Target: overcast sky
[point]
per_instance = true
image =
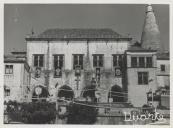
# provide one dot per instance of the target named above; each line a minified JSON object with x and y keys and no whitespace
{"x":19,"y":19}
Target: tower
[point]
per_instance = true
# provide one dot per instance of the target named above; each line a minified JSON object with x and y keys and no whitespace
{"x":150,"y":38}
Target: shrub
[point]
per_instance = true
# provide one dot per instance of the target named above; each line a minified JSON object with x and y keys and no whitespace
{"x":80,"y":114}
{"x":32,"y":113}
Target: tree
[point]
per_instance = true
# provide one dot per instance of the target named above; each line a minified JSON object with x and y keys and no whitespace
{"x":32,"y":113}
{"x":38,"y":112}
{"x":89,"y":91}
{"x":81,"y":114}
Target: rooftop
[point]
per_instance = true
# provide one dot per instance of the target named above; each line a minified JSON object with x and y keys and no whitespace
{"x":15,"y":57}
{"x":163,"y":56}
{"x":134,"y":48}
{"x":78,"y":34}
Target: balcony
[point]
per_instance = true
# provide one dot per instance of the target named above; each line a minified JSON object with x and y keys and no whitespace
{"x":8,"y":77}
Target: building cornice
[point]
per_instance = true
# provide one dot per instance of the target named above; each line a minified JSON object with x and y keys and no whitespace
{"x":78,"y":39}
{"x":14,"y":61}
{"x":141,"y":50}
{"x":162,"y":58}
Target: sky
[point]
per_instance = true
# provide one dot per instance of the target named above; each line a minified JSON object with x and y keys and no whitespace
{"x":127,"y":19}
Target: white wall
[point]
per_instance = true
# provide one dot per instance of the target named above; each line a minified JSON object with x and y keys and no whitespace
{"x":13,"y":81}
{"x":167,"y":67}
{"x":163,"y":77}
{"x":17,"y":82}
{"x":76,"y":47}
{"x":137,"y":93}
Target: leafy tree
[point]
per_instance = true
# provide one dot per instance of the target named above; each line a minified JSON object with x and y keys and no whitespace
{"x":81,"y":114}
{"x":32,"y":113}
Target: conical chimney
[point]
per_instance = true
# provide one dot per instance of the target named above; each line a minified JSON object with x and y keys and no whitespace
{"x":150,"y":38}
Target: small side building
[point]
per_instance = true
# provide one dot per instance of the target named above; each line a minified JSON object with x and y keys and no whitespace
{"x":141,"y":74}
{"x":163,"y":70}
{"x":16,"y":77}
{"x":163,"y":78}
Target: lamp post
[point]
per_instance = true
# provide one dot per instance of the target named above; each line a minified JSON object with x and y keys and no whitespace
{"x":77,"y":74}
{"x":6,"y":120}
{"x":150,"y":94}
{"x":151,"y":91}
{"x":56,"y":104}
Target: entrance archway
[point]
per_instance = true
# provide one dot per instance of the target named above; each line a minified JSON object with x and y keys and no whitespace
{"x":66,"y":92}
{"x":116,"y":94}
{"x":89,"y":92}
{"x":43,"y":93}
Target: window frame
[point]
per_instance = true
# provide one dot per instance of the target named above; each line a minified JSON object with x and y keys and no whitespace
{"x":38,"y":60}
{"x":118,"y":61}
{"x":148,"y":63}
{"x":9,"y":69}
{"x":144,"y":78}
{"x":7,"y":92}
{"x":161,"y":67}
{"x":60,"y":65}
{"x":132,"y":64}
{"x":141,"y":64}
{"x":99,"y":60}
{"x":79,"y":62}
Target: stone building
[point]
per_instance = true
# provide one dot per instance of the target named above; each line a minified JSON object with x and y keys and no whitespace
{"x":161,"y":96}
{"x":141,"y":74}
{"x":163,"y":70}
{"x":56,"y":55}
{"x":163,"y":78}
{"x":69,"y":62}
{"x":151,"y":40}
{"x":16,"y":77}
{"x":95,"y":63}
{"x":142,"y":61}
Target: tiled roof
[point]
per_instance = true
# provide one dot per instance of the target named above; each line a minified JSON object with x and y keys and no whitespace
{"x":139,"y":49}
{"x":14,"y":59}
{"x":78,"y":34}
{"x":18,"y":52}
{"x":163,"y":56}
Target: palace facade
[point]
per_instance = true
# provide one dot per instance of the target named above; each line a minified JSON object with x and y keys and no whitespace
{"x":97,"y":64}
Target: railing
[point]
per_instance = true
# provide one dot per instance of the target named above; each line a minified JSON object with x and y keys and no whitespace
{"x":9,"y":75}
{"x":167,"y":92}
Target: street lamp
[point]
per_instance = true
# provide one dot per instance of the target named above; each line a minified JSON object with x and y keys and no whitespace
{"x":77,"y":70}
{"x":77,"y":74}
{"x":6,"y":120}
{"x":96,"y":90}
{"x":150,"y":91}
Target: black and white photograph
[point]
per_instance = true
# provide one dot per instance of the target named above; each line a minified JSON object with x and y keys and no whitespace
{"x":86,"y":64}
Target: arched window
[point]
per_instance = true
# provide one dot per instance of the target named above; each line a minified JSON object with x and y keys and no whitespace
{"x":116,"y":94}
{"x":43,"y":93}
{"x":66,"y":91}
